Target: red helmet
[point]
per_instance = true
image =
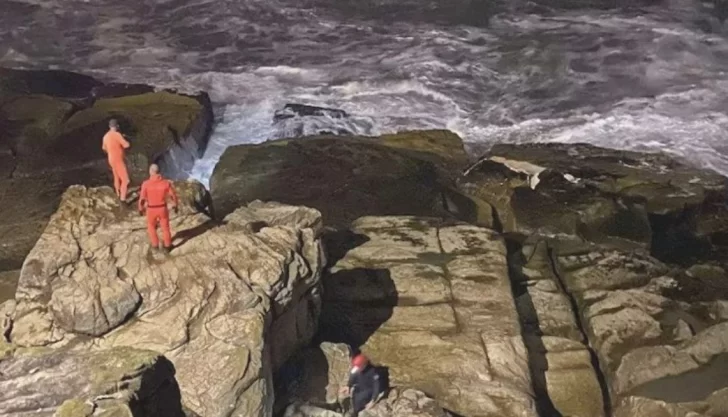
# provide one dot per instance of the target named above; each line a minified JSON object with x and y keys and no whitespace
{"x":359,"y":361}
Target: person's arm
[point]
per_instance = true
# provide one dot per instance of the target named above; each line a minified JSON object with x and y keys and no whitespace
{"x":142,"y":197}
{"x":353,"y":380}
{"x":124,"y":143}
{"x":103,"y":145}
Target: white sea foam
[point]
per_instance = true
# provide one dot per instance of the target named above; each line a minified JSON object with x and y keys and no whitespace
{"x":649,"y":82}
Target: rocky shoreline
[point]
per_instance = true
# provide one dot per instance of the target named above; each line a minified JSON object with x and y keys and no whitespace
{"x":52,"y":123}
{"x":540,"y":280}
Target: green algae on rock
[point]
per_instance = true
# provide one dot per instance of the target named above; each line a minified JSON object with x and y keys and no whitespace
{"x":627,"y":199}
{"x":75,"y":408}
{"x":53,"y":123}
{"x":431,"y":300}
{"x":345,"y":178}
{"x":78,"y":384}
{"x":155,"y":124}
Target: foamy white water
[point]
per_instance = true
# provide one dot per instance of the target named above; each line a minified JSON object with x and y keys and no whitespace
{"x":653,"y":80}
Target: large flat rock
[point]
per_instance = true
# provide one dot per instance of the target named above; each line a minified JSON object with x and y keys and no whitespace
{"x":227,"y":307}
{"x":432,"y":301}
{"x":344,"y":177}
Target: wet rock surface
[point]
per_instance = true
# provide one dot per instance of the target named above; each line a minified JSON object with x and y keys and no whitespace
{"x":344,"y":178}
{"x":8,"y":282}
{"x":618,"y":198}
{"x":301,"y":120}
{"x":227,"y":306}
{"x":53,"y":123}
{"x":291,"y":110}
{"x":650,"y":342}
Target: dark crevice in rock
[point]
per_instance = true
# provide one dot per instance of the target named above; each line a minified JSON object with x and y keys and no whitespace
{"x":601,"y":377}
{"x":674,"y":239}
{"x":526,"y":310}
{"x":452,"y":413}
{"x":497,"y":222}
{"x":353,"y":321}
{"x":8,"y":331}
{"x":177,"y":161}
{"x":448,"y":279}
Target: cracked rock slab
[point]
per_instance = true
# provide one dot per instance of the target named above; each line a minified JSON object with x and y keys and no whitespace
{"x":560,"y":359}
{"x":432,"y":301}
{"x":654,"y":329}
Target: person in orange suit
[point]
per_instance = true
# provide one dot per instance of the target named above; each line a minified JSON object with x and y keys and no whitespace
{"x":153,"y":199}
{"x":115,"y":145}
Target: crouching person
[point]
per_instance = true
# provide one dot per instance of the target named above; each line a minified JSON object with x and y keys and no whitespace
{"x":365,"y":385}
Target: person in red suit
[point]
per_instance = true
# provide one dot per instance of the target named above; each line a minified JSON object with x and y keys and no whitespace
{"x":153,"y":200}
{"x":115,"y":147}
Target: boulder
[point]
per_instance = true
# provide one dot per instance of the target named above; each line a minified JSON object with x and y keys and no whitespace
{"x":344,"y":178}
{"x":314,"y":376}
{"x":227,"y":306}
{"x":399,"y":403}
{"x":406,"y":402}
{"x":639,"y":406}
{"x":431,"y":300}
{"x":292,"y":110}
{"x":120,"y":381}
{"x":53,"y":123}
{"x":659,"y":332}
{"x":45,"y":82}
{"x":301,"y":120}
{"x":624,"y":199}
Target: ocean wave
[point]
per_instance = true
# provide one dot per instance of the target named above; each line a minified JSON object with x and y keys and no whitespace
{"x":651,"y":81}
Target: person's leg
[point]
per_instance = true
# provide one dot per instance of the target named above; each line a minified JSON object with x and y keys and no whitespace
{"x":359,"y":401}
{"x":123,"y":179}
{"x":117,"y":179}
{"x":152,"y":228}
{"x":166,"y":233}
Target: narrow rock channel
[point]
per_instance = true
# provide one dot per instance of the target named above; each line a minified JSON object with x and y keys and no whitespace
{"x":565,"y":374}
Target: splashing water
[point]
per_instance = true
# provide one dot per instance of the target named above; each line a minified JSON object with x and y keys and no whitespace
{"x":653,"y":80}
